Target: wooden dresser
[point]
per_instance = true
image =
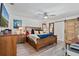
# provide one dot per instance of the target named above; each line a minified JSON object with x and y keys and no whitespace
{"x":8,"y":45}
{"x":21,"y":38}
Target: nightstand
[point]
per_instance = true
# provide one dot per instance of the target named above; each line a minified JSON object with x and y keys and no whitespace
{"x":21,"y":38}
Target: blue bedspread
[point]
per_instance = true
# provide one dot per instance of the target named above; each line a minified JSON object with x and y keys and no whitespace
{"x":45,"y":35}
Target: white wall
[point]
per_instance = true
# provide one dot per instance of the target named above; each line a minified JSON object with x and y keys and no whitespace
{"x":59,"y":30}
{"x":25,"y":21}
{"x":28,"y":21}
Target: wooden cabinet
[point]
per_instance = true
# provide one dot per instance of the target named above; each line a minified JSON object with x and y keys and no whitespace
{"x":8,"y":45}
{"x":21,"y":38}
{"x":71,"y":29}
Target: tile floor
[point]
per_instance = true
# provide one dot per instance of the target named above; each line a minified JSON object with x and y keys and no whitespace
{"x":51,"y":50}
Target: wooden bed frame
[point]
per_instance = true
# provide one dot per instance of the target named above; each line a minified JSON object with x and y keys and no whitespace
{"x":43,"y":42}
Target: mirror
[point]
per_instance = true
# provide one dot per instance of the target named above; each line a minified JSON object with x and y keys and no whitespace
{"x":51,"y":27}
{"x":44,"y":27}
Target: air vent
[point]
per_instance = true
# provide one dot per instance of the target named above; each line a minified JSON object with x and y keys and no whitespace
{"x":11,"y":3}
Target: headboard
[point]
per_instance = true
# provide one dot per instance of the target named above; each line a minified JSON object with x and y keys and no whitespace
{"x":29,"y":28}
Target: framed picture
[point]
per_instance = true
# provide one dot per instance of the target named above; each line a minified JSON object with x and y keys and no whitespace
{"x":17,"y":23}
{"x":4,"y":16}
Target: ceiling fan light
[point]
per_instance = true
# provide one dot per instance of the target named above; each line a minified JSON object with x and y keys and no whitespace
{"x":45,"y":17}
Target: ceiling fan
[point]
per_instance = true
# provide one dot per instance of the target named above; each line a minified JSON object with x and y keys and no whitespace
{"x":46,"y":15}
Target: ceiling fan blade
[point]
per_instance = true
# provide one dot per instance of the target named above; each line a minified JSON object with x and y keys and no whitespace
{"x":45,"y":14}
{"x":52,"y":15}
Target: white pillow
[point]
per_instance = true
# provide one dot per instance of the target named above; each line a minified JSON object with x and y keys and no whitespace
{"x":36,"y":32}
{"x":41,"y":32}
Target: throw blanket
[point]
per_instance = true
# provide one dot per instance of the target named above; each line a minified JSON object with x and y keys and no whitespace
{"x":33,"y":37}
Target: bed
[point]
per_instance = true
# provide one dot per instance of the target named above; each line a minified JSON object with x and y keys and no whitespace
{"x":42,"y":40}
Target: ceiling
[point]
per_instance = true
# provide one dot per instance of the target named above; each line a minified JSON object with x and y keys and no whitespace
{"x":31,"y":10}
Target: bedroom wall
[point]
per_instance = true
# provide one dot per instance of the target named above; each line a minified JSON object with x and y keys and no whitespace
{"x":25,"y":22}
{"x":59,"y":30}
{"x":28,"y":21}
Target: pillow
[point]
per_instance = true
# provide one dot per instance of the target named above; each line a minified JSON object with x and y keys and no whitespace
{"x":51,"y":33}
{"x":36,"y":32}
{"x":41,"y":32}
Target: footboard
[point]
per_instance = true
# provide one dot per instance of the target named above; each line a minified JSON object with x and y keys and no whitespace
{"x":43,"y":42}
{"x":46,"y":41}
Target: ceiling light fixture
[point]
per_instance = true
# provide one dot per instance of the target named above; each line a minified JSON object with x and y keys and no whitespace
{"x":45,"y":17}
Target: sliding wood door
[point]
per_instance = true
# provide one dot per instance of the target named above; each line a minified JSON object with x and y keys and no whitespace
{"x":71,"y":29}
